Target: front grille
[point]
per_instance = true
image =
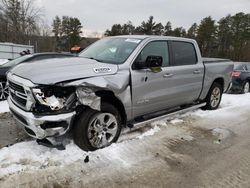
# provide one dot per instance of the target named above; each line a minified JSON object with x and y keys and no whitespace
{"x":18,"y":94}
{"x":16,"y":87}
{"x":18,"y":100}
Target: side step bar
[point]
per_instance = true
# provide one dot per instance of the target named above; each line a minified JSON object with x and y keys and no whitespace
{"x":182,"y":111}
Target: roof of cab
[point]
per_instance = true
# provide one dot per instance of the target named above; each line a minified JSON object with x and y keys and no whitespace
{"x":142,"y":37}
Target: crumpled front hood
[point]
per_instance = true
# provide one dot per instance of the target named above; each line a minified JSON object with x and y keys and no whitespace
{"x":54,"y":71}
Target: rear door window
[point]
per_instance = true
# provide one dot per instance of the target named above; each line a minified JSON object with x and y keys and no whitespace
{"x":240,"y":67}
{"x":183,"y":53}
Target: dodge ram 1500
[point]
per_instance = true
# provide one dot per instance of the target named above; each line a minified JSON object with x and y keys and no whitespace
{"x":116,"y":82}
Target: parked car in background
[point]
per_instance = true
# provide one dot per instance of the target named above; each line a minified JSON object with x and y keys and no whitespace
{"x":4,"y":68}
{"x":241,"y":77}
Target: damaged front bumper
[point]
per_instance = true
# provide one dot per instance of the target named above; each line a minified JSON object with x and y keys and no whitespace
{"x":44,"y":126}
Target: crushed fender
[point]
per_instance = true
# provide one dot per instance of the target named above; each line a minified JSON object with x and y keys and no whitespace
{"x":87,"y":97}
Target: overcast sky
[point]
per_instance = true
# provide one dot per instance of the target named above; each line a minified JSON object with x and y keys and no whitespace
{"x":99,"y":15}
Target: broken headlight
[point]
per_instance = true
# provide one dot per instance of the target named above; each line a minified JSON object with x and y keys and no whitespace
{"x":56,"y":98}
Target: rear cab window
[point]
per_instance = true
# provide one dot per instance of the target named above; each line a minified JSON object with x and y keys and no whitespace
{"x":183,"y":53}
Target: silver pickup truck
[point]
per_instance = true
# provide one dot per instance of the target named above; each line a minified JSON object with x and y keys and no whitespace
{"x":116,"y":82}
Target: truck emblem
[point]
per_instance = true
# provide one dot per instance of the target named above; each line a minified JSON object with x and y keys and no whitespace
{"x":102,"y":70}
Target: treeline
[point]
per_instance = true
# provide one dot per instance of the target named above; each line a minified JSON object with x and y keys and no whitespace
{"x":22,"y":22}
{"x":227,"y":38}
{"x":67,"y":32}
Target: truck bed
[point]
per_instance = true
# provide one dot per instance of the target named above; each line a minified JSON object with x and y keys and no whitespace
{"x":214,"y":60}
{"x":216,"y":68}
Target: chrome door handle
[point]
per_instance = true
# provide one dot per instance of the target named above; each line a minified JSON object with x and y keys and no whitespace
{"x":197,"y":72}
{"x":168,"y":75}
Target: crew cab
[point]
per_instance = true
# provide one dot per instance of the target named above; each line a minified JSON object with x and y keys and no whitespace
{"x":116,"y":82}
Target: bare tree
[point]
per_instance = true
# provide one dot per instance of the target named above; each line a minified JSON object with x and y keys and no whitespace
{"x":22,"y":18}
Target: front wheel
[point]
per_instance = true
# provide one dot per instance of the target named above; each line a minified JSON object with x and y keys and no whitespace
{"x":3,"y":90}
{"x":95,"y":130}
{"x":213,"y":98}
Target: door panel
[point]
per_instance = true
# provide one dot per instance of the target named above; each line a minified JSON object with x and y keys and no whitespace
{"x":148,"y":95}
{"x":173,"y":86}
{"x":149,"y":91}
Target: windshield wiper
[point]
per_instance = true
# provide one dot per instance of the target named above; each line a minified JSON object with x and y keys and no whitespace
{"x":98,"y":60}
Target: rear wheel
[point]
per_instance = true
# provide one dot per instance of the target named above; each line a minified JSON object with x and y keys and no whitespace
{"x":95,"y":130}
{"x":3,"y":90}
{"x":213,"y":98}
{"x":246,"y":87}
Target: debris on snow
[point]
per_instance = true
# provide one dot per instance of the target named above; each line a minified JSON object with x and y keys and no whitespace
{"x":86,"y":160}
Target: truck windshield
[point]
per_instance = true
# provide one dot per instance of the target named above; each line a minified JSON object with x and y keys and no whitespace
{"x":111,"y":50}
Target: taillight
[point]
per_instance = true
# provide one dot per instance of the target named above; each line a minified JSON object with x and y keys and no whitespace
{"x":236,"y":74}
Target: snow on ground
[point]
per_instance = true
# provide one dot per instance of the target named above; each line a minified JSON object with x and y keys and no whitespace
{"x":4,"y":107}
{"x":228,"y":102}
{"x":150,"y":132}
{"x":221,"y":133}
{"x":30,"y":156}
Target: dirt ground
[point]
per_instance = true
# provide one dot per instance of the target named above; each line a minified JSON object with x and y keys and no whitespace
{"x":9,"y":132}
{"x":185,"y":154}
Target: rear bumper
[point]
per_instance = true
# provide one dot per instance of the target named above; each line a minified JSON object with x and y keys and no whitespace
{"x":41,"y":127}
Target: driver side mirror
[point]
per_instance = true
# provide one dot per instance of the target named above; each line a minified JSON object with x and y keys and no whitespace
{"x":151,"y":62}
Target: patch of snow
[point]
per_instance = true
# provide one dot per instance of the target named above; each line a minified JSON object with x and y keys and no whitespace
{"x":176,"y":121}
{"x":29,"y":155}
{"x":26,"y":156}
{"x":228,"y":102}
{"x":162,"y":122}
{"x":221,"y":133}
{"x":4,"y":107}
{"x":235,"y":100}
{"x":149,"y":133}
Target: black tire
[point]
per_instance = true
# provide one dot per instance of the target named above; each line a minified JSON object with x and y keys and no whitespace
{"x":210,"y":103}
{"x":244,"y":87}
{"x":83,"y":122}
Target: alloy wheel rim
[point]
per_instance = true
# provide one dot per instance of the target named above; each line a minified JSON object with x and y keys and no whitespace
{"x":215,"y":97}
{"x":102,"y":129}
{"x":246,"y":88}
{"x":3,"y":91}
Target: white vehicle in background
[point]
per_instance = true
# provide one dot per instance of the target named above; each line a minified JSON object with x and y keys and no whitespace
{"x":2,"y":61}
{"x":12,"y":51}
